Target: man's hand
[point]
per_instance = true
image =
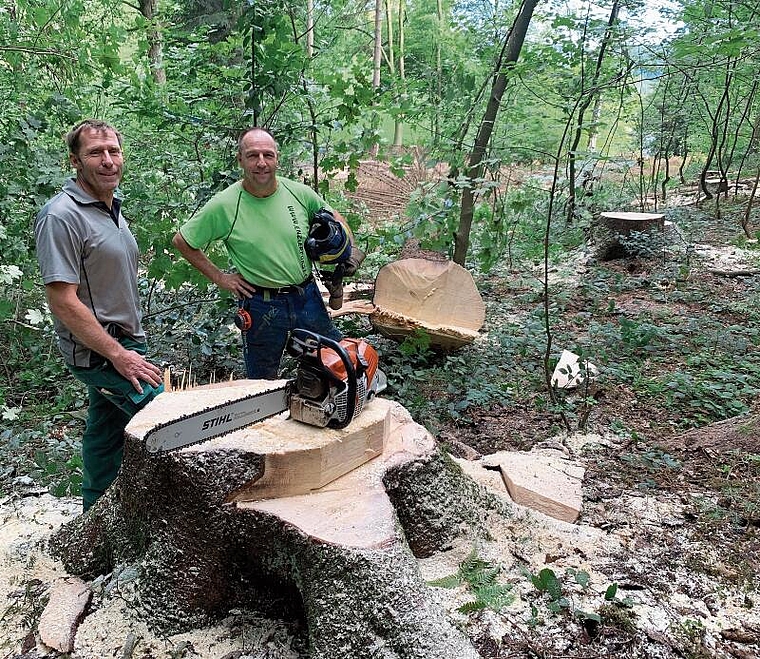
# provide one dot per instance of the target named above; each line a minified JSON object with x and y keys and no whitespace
{"x":134,"y":367}
{"x":354,"y":261}
{"x":334,"y":286}
{"x":235,"y":284}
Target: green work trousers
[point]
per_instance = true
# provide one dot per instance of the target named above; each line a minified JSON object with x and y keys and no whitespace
{"x":113,"y":402}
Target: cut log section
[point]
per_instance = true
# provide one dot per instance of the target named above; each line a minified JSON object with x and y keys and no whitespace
{"x":224,"y":524}
{"x":437,"y":297}
{"x":612,"y":226}
{"x":65,"y":608}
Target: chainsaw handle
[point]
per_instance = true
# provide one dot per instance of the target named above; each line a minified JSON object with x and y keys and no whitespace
{"x":316,"y":342}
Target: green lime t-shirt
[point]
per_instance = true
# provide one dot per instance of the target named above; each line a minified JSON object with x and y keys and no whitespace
{"x":264,"y":236}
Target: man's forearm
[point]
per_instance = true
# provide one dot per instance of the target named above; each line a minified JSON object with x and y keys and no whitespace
{"x":80,"y":321}
{"x":197,"y":259}
{"x":234,"y":283}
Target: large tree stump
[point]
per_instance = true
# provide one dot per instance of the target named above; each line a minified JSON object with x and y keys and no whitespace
{"x":209,"y":531}
{"x":616,"y":234}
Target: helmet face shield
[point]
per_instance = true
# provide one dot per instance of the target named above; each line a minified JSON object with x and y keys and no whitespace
{"x":327,"y":242}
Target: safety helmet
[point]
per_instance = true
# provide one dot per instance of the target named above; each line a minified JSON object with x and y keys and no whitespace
{"x":328,"y":241}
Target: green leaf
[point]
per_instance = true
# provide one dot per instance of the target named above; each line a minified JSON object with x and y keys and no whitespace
{"x":452,"y":581}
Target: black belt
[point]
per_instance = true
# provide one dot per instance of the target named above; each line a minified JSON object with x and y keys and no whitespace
{"x":285,"y":290}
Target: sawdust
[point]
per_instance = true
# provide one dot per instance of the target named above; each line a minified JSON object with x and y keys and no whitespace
{"x":624,"y":552}
{"x":385,"y":319}
{"x":27,"y":571}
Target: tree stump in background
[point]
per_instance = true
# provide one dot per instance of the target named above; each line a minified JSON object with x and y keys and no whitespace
{"x":227,"y":523}
{"x":619,"y":235}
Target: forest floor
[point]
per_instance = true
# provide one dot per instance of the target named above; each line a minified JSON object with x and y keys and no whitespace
{"x":664,"y":559}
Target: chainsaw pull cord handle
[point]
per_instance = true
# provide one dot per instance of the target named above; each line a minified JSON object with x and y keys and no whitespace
{"x":317,"y":343}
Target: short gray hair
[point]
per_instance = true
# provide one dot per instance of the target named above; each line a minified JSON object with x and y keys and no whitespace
{"x":74,"y":136}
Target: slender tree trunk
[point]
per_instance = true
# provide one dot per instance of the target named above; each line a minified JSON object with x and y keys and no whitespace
{"x":591,"y":93}
{"x":753,"y":137}
{"x":398,"y":128}
{"x":377,"y":56}
{"x":748,"y":211}
{"x":155,"y":42}
{"x":378,"y":52}
{"x":715,"y":133}
{"x":509,"y":55}
{"x":438,"y":74}
{"x":596,"y":114}
{"x":309,"y":33}
{"x":310,"y":100}
{"x":310,"y":28}
{"x":391,"y":50}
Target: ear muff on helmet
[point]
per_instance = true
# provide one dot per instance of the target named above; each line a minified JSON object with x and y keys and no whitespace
{"x":328,"y":241}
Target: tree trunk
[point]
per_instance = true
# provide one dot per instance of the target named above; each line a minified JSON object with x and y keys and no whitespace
{"x":377,"y":58}
{"x":509,"y":54}
{"x":612,"y":230}
{"x":209,"y":532}
{"x":398,"y":125}
{"x":155,"y":45}
{"x":590,"y":94}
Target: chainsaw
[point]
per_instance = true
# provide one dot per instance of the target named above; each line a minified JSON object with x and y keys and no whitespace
{"x":333,"y":382}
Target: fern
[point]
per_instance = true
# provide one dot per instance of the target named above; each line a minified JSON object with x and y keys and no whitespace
{"x":452,"y":581}
{"x":480,"y":578}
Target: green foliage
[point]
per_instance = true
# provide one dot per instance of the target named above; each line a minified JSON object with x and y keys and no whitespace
{"x":480,"y":579}
{"x":552,"y":590}
{"x":546,"y":582}
{"x":438,"y":388}
{"x":652,"y":460}
{"x":48,"y":457}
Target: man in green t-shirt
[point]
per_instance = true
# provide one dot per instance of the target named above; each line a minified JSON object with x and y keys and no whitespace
{"x":263,"y":222}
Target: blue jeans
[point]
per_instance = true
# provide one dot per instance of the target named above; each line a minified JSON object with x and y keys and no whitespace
{"x":273,"y":316}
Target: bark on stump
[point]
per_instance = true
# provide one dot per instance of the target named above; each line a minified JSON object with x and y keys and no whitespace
{"x":611,"y":227}
{"x":341,"y":555}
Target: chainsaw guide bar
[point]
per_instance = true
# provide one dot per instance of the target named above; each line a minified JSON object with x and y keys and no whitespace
{"x":216,"y":420}
{"x":333,"y":382}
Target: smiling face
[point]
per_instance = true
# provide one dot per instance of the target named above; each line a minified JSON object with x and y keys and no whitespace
{"x":99,"y":163}
{"x":257,"y":156}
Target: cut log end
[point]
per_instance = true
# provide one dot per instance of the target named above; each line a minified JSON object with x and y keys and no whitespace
{"x":436,"y":297}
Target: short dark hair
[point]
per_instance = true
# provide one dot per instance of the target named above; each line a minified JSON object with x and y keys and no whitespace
{"x":74,"y":136}
{"x":250,"y":130}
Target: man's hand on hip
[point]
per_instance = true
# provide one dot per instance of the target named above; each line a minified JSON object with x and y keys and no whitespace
{"x":234,"y":283}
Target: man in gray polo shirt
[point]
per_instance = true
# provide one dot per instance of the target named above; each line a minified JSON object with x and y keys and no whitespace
{"x":88,"y":259}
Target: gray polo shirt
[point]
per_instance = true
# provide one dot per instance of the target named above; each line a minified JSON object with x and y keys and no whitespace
{"x":80,"y":241}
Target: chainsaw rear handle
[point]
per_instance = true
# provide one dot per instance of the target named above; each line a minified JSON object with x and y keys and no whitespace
{"x":302,"y":341}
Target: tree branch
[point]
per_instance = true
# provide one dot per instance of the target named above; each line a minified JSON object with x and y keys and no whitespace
{"x":34,"y":51}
